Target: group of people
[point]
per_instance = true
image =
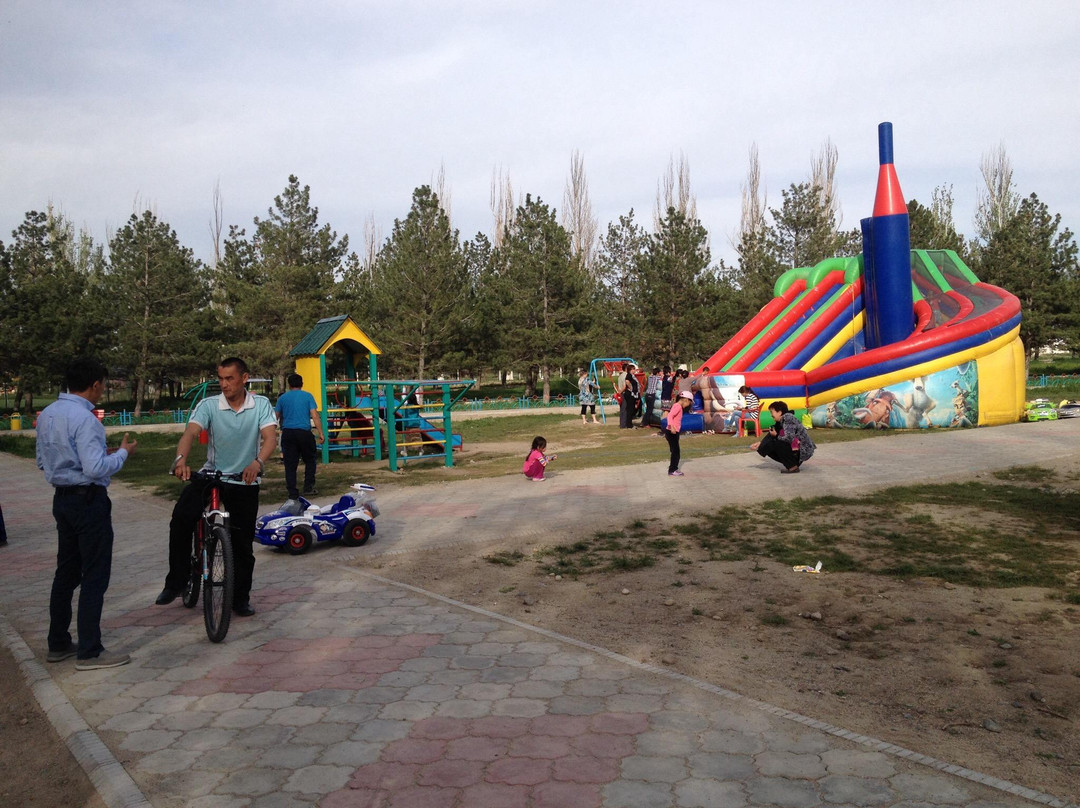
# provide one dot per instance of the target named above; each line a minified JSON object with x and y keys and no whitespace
{"x":242,"y":433}
{"x":787,"y":441}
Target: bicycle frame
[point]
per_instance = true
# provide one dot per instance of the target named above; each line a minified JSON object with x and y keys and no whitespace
{"x":212,"y":559}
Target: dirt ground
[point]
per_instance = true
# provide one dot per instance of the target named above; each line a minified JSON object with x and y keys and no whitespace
{"x":987,"y":678}
{"x":39,"y":770}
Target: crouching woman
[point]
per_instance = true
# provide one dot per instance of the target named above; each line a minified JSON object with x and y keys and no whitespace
{"x":787,"y":442}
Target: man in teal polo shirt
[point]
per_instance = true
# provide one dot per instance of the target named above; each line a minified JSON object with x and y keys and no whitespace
{"x":243,"y":433}
{"x":297,"y":410}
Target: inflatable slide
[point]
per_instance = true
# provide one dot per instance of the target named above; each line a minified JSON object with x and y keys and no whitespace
{"x":894,"y":337}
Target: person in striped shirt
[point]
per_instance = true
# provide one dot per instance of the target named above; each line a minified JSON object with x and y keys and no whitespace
{"x":751,"y":405}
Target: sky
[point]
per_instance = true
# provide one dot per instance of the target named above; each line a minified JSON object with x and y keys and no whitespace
{"x":110,"y":108}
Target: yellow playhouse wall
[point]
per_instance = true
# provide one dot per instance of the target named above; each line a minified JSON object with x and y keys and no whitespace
{"x":1002,"y":385}
{"x":309,"y":368}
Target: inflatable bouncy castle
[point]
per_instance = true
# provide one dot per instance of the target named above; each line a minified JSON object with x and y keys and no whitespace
{"x":892,"y":338}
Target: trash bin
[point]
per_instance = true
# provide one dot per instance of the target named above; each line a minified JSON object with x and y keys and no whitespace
{"x":16,"y":421}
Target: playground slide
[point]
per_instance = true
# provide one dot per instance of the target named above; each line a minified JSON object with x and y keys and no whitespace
{"x":430,"y":432}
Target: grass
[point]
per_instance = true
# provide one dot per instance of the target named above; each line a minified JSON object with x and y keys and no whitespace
{"x":1020,"y":530}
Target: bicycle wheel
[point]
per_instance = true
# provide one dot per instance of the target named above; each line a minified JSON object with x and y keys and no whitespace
{"x":218,"y":594}
{"x":194,"y":582}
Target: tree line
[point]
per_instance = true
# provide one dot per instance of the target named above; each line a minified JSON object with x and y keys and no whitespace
{"x":546,"y":293}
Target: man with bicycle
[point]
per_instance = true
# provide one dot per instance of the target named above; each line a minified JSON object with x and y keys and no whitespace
{"x":243,"y":433}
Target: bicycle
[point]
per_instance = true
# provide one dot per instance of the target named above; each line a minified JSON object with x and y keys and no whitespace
{"x":212,"y":567}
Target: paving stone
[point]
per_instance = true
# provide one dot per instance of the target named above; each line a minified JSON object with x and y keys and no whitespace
{"x":323,"y":734}
{"x":735,"y":743}
{"x":654,"y":769}
{"x":252,"y":782}
{"x":666,"y":743}
{"x":576,"y":705}
{"x":192,"y":719}
{"x":379,"y":730}
{"x":789,"y":764}
{"x":638,"y":795}
{"x":318,"y":779}
{"x":538,"y":690}
{"x":930,"y":787}
{"x":290,"y":756}
{"x":563,"y":795}
{"x":520,"y":708}
{"x":678,"y":721}
{"x":407,"y":710}
{"x":242,"y":718}
{"x":801,"y":743}
{"x":721,"y":766}
{"x":426,"y":692}
{"x":783,"y":793}
{"x":131,"y":722}
{"x":204,"y":739}
{"x":351,"y":753}
{"x":149,"y":740}
{"x":856,"y":790}
{"x":166,"y":761}
{"x":695,"y":793}
{"x":858,"y":762}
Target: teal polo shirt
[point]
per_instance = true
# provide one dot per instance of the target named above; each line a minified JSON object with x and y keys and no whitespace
{"x":234,"y":436}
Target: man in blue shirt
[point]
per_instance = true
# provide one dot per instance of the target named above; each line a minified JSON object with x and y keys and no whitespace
{"x":243,"y":435}
{"x":71,"y":451}
{"x":297,"y":410}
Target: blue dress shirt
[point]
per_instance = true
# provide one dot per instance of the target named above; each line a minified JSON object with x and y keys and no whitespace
{"x":71,"y":444}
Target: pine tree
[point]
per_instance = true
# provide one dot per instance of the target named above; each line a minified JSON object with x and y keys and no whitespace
{"x":158,"y":294}
{"x":419,"y":286}
{"x":280,"y":283}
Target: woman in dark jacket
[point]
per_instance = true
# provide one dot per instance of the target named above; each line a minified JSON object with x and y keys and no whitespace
{"x":787,"y":442}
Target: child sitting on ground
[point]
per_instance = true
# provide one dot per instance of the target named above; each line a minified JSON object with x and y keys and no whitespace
{"x":537,"y":461}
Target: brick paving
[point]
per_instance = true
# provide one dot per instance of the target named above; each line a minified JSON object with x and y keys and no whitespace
{"x":347,"y":689}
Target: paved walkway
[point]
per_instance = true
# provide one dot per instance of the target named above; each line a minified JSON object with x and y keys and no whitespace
{"x":351,"y":690}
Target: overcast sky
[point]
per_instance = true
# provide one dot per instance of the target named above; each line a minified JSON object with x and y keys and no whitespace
{"x":111,"y":107}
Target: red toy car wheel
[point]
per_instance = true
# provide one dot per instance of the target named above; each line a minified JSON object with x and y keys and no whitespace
{"x":356,"y":533}
{"x":299,"y":539}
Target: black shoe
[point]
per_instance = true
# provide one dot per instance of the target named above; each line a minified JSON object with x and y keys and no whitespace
{"x":311,"y":492}
{"x":167,"y":596}
{"x":244,"y":610}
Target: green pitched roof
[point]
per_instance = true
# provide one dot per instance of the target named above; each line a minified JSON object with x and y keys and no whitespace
{"x":321,"y":337}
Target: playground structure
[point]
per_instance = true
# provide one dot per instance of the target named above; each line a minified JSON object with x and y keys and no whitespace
{"x":354,"y":412}
{"x":892,"y":338}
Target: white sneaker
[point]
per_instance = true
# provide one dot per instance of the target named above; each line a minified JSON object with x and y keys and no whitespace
{"x":675,"y":473}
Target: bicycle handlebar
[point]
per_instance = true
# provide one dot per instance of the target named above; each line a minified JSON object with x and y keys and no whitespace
{"x":202,"y":474}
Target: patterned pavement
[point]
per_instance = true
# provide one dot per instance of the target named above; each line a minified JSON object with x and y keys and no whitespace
{"x":347,"y":689}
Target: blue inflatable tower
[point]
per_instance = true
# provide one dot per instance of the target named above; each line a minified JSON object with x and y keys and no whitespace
{"x":887,"y":255}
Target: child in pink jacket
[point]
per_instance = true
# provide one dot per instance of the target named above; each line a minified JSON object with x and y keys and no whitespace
{"x":537,"y":461}
{"x":674,"y":426}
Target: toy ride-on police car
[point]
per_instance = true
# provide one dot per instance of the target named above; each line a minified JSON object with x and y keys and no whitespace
{"x":298,"y":524}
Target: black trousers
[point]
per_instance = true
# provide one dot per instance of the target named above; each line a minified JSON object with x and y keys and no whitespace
{"x":650,"y":401}
{"x":83,"y":561}
{"x":673,"y":445}
{"x":778,"y":450}
{"x":626,"y":412}
{"x":297,"y":445}
{"x":242,"y":503}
